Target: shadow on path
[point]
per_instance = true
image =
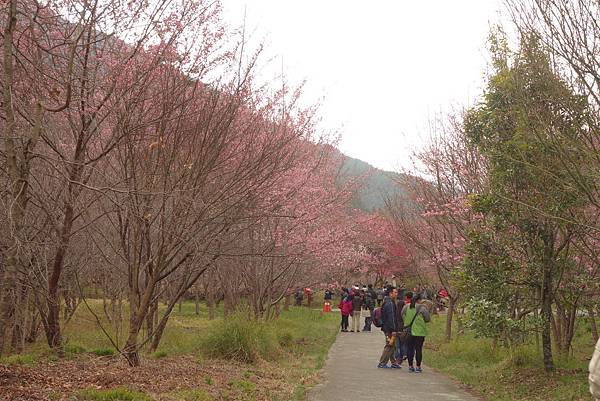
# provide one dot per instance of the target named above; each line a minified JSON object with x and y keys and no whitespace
{"x":351,"y":373}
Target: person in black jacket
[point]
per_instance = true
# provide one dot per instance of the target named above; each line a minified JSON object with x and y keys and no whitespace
{"x":369,"y":306}
{"x":357,"y":302}
{"x":389,"y":327}
{"x":400,"y":352}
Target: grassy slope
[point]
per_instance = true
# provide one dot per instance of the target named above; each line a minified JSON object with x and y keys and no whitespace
{"x":499,"y":375}
{"x":300,"y":340}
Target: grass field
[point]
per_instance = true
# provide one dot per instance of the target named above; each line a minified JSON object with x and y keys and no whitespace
{"x":498,"y":374}
{"x":202,"y":360}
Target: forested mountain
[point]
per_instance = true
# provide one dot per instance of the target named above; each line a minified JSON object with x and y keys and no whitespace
{"x":378,"y":184}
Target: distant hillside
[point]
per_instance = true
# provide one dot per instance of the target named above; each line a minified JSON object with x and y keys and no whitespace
{"x":379,"y":184}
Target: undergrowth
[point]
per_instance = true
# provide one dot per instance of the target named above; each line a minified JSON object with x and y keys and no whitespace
{"x":502,"y":374}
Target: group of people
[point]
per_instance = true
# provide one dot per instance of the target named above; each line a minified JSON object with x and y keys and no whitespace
{"x":403,"y":311}
{"x":299,"y":295}
{"x":399,"y":311}
{"x":358,"y":303}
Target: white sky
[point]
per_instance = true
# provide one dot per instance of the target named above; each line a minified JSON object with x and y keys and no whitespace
{"x":381,"y":69}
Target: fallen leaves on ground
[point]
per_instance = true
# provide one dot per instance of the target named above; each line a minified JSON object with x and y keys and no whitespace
{"x":161,"y":378}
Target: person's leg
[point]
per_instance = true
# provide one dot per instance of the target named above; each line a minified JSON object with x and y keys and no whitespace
{"x":346,"y":324}
{"x":419,"y":349}
{"x":357,"y":321}
{"x":387,"y":354}
{"x":398,"y":353}
{"x":410,"y":351}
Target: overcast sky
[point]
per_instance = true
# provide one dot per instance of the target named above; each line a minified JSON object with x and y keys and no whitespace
{"x":382,"y":68}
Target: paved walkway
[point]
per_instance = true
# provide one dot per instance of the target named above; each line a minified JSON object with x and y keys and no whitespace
{"x":351,"y":374}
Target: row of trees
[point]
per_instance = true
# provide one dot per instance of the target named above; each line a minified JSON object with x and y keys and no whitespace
{"x":508,"y":216}
{"x":142,"y":160}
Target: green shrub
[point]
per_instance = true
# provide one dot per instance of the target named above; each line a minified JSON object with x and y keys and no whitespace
{"x":117,"y":394}
{"x":285,"y":339}
{"x":160,"y":354}
{"x":19,"y":359}
{"x":239,"y":338}
{"x":74,"y":349}
{"x":103,"y":351}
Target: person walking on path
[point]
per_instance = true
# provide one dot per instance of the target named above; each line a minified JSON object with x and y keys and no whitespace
{"x":357,"y":303}
{"x":372,"y":292}
{"x":416,"y":316}
{"x":369,"y":306}
{"x":379,"y":296}
{"x":299,"y":296}
{"x":595,"y":373}
{"x":389,"y":328}
{"x":345,"y":309}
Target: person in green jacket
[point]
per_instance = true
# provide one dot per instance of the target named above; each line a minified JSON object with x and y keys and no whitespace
{"x":418,"y":330}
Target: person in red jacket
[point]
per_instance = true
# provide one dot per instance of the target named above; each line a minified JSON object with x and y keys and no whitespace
{"x":346,"y":310}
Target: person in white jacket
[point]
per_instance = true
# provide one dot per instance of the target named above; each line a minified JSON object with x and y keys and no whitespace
{"x":595,"y":373}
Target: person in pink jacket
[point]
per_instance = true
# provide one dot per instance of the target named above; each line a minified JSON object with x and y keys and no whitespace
{"x":346,"y":310}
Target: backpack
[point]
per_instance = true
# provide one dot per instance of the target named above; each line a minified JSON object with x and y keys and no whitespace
{"x":376,"y":317}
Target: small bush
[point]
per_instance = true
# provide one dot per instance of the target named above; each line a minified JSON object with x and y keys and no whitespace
{"x":285,"y":339}
{"x":19,"y":360}
{"x":160,"y":354}
{"x":239,"y":338}
{"x":103,"y":351}
{"x":117,"y":394}
{"x":74,"y":349}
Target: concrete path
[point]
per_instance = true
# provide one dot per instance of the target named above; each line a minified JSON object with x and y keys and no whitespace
{"x":351,"y":373}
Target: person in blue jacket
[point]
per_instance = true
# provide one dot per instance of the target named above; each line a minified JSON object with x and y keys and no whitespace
{"x":389,"y":327}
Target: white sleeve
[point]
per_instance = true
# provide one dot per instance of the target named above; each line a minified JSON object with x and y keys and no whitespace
{"x":595,"y":373}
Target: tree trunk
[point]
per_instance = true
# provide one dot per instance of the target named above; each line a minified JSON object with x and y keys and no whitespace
{"x":137,"y":313}
{"x":53,"y":334}
{"x":8,"y":279}
{"x":20,"y":320}
{"x":160,"y":327}
{"x":286,"y":302}
{"x":210,"y":303}
{"x":449,"y":316}
{"x":33,"y":327}
{"x":197,"y":302}
{"x":150,"y":321}
{"x":547,"y":311}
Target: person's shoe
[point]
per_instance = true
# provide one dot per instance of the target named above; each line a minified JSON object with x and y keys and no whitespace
{"x":418,"y":370}
{"x":383,"y":366}
{"x":396,"y":366}
{"x":411,"y":369}
{"x":351,"y":331}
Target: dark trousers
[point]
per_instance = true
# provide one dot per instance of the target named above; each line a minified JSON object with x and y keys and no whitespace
{"x":414,"y":350}
{"x":400,"y":350}
{"x":344,"y":322}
